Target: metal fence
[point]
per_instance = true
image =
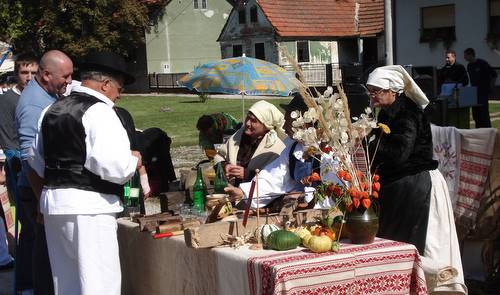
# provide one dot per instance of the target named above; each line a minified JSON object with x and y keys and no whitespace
{"x":316,"y":75}
{"x":162,"y":81}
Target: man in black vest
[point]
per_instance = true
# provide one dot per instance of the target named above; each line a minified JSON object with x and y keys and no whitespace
{"x":83,"y":153}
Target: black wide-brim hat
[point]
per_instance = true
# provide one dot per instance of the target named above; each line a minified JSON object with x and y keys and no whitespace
{"x":107,"y":62}
{"x":296,"y":104}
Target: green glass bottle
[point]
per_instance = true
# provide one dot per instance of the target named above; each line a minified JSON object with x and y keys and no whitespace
{"x":135,"y":190}
{"x":220,"y":181}
{"x":199,"y":191}
{"x":126,"y":194}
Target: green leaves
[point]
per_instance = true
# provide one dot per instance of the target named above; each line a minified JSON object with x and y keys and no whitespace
{"x":78,"y":27}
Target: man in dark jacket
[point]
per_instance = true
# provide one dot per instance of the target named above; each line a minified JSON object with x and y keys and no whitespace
{"x":483,"y":77}
{"x":452,"y":72}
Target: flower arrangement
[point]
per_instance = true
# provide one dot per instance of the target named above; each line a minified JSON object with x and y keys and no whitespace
{"x":326,"y":129}
{"x":341,"y":145}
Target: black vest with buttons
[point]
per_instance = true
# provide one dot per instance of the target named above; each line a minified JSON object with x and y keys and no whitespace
{"x":65,"y":149}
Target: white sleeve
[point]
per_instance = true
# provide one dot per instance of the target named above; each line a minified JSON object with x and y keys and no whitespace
{"x":272,"y":182}
{"x":107,"y":145}
{"x":36,"y":160}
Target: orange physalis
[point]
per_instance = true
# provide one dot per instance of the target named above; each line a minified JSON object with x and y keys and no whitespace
{"x":355,"y":202}
{"x":366,"y":202}
{"x":376,"y":186}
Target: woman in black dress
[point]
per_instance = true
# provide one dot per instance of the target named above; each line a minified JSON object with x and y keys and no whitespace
{"x":414,"y":201}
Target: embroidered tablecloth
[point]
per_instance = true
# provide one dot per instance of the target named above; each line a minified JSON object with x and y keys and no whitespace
{"x":384,"y":267}
{"x":167,"y":266}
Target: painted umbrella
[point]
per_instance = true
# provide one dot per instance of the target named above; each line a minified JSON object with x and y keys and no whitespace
{"x":241,"y":75}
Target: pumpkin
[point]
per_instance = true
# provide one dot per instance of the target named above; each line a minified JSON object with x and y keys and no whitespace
{"x":320,"y":244}
{"x":262,"y":232}
{"x":283,"y":240}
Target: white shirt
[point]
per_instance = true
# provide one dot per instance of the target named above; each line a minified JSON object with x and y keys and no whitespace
{"x":274,"y":178}
{"x":108,"y":156}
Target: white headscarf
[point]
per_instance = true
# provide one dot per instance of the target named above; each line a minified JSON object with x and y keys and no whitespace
{"x":397,"y":79}
{"x":272,"y":118}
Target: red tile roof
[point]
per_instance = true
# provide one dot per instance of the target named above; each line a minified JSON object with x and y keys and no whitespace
{"x":324,"y":18}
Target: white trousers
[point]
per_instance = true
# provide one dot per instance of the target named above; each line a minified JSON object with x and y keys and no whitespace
{"x":4,"y":249}
{"x":441,"y":261}
{"x":83,"y":252}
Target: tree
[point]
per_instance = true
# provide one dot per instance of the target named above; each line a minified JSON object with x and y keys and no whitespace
{"x":78,"y":27}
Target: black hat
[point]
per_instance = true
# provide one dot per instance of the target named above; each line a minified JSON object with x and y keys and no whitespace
{"x":108,"y":62}
{"x":296,"y":104}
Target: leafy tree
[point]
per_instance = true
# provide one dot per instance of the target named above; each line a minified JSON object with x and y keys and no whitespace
{"x":78,"y":27}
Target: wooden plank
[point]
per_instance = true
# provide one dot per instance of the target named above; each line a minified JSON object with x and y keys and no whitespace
{"x":210,"y":235}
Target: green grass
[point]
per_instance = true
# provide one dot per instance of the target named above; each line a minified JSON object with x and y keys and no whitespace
{"x":178,"y":115}
{"x":495,"y":108}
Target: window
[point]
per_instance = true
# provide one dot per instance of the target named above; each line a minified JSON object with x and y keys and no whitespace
{"x":237,"y":50}
{"x":196,"y":4}
{"x":260,"y":51}
{"x":438,"y":23}
{"x":303,"y":51}
{"x":253,"y":15}
{"x":242,"y":17}
{"x":494,"y":17}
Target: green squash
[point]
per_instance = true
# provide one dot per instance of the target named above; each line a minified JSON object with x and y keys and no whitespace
{"x":262,"y":232}
{"x":283,"y":240}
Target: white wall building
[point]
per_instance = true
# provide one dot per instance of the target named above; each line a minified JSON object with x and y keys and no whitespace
{"x":421,"y":25}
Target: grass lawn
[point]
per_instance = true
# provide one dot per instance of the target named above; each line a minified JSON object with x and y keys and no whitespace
{"x":178,"y":115}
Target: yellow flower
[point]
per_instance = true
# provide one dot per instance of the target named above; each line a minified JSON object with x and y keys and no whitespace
{"x":384,"y":128}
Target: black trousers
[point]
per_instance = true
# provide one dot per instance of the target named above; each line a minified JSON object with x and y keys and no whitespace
{"x":404,"y":209}
{"x":32,"y":257}
{"x":481,"y":113}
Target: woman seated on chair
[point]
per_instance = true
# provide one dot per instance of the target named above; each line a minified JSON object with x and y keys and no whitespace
{"x":255,"y":144}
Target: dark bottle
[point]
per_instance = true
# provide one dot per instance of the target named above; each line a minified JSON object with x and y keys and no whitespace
{"x":199,"y":191}
{"x":220,"y":181}
{"x":126,"y":194}
{"x":135,"y":190}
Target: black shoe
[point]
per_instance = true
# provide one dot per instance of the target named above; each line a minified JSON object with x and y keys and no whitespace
{"x":7,"y":267}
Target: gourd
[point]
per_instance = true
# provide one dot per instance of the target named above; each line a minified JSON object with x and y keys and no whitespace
{"x":303,"y":234}
{"x":263,"y":231}
{"x":306,"y":239}
{"x":282,"y":240}
{"x":320,"y":244}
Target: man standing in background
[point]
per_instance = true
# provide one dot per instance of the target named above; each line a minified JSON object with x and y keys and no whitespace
{"x":452,"y":72}
{"x":54,"y":74}
{"x":483,"y":77}
{"x":25,"y":68}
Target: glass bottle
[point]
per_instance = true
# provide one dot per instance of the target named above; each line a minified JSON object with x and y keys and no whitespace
{"x":126,"y":194}
{"x":134,"y":190}
{"x":220,"y":181}
{"x":199,"y":191}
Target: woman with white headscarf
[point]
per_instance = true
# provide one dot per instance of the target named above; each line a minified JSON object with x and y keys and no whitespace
{"x":255,"y":144}
{"x":415,"y":206}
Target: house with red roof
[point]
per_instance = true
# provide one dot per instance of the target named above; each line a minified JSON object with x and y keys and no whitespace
{"x":315,"y":32}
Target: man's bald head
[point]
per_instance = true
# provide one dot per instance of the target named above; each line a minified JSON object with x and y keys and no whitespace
{"x":55,"y":71}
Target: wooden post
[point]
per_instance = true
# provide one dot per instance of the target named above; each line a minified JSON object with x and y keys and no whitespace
{"x":257,"y":246}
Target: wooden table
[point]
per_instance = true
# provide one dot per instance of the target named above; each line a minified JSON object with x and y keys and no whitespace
{"x":167,"y":266}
